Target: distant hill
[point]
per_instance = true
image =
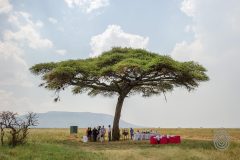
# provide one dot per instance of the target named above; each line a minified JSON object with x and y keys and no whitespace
{"x":55,"y":119}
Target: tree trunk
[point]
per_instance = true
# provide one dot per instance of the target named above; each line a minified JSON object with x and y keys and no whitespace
{"x":116,"y":131}
{"x":2,"y":135}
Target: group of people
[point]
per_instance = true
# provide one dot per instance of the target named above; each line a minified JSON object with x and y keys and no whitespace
{"x":146,"y":131}
{"x":146,"y":134}
{"x":125,"y":133}
{"x":98,"y":133}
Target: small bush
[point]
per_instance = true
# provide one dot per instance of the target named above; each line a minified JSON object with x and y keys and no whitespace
{"x":16,"y":127}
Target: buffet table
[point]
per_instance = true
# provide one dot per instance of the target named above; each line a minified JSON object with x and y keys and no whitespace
{"x":165,"y":139}
{"x":143,"y":136}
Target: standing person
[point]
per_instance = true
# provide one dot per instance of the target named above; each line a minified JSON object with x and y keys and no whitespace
{"x":95,"y":133}
{"x":103,"y":131}
{"x":109,"y":133}
{"x":99,"y":133}
{"x":158,"y":138}
{"x":138,"y":136}
{"x":89,"y":134}
{"x":125,"y":133}
{"x":131,"y":133}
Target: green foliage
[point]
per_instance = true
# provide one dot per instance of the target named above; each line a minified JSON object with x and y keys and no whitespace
{"x":122,"y":71}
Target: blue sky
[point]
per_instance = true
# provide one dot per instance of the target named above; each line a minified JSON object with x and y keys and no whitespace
{"x":205,"y":31}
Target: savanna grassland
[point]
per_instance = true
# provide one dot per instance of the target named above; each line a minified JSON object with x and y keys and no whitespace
{"x":57,"y":144}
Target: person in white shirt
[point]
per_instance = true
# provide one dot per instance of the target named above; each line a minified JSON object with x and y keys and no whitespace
{"x":102,"y":134}
{"x":158,"y":138}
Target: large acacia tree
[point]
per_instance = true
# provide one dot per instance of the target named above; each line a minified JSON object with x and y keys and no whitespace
{"x":122,"y":72}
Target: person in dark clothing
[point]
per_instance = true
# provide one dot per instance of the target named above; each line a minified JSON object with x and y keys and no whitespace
{"x":109,"y":133}
{"x":99,"y":133}
{"x":89,"y":134}
{"x":95,"y":134}
{"x":87,"y":131}
{"x":131,"y":133}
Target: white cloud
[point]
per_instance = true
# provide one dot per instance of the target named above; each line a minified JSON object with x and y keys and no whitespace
{"x":188,"y":7}
{"x":8,"y":49}
{"x":114,"y":36}
{"x":61,"y":52}
{"x":19,"y":19}
{"x":5,"y":6}
{"x":216,"y":33}
{"x":52,"y":20}
{"x":216,"y":40}
{"x":39,"y":24}
{"x":189,"y":28}
{"x":24,"y":32}
{"x":27,"y":34}
{"x":8,"y":102}
{"x":14,"y":69}
{"x":181,"y":50}
{"x":87,"y":5}
{"x":27,"y":31}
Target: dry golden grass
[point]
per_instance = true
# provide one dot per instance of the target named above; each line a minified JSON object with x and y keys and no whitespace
{"x":58,"y":144}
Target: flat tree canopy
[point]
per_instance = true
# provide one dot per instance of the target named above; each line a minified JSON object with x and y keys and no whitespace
{"x":121,"y":72}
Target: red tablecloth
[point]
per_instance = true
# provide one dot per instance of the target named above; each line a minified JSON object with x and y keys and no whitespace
{"x":153,"y":140}
{"x":166,"y":140}
{"x":174,"y":139}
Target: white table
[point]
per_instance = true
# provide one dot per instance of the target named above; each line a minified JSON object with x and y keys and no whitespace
{"x":143,"y":136}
